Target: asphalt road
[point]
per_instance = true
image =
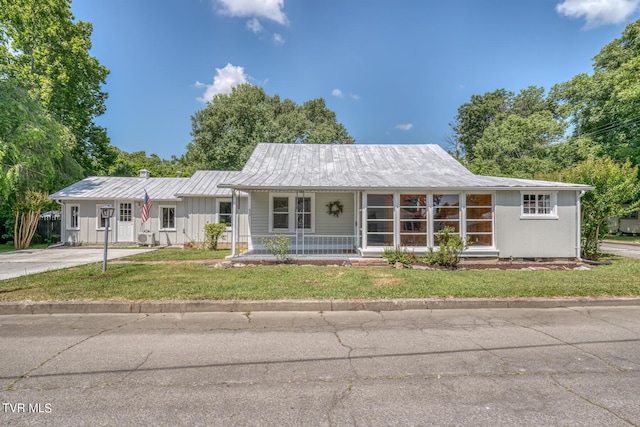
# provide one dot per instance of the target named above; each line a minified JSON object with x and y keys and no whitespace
{"x":621,"y":249}
{"x":30,"y":261}
{"x":570,"y":366}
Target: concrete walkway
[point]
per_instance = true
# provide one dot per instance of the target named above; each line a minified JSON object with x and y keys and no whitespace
{"x":31,"y":261}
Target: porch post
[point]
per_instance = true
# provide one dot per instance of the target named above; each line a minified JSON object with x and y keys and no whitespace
{"x":234,"y":223}
{"x":365,"y":226}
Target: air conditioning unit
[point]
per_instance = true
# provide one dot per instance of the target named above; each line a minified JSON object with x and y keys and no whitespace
{"x":147,"y":239}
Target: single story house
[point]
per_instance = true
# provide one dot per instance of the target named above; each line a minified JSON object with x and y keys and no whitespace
{"x":180,"y":208}
{"x":362,"y":199}
{"x":335,"y":199}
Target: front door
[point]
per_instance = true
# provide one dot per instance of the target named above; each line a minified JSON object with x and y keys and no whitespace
{"x":125,"y":222}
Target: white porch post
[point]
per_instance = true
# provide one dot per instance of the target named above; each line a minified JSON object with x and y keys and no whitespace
{"x":234,"y":222}
{"x":365,"y":226}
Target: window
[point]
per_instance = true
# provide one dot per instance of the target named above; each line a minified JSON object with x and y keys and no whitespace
{"x":74,"y":217}
{"x":289,"y":212}
{"x":380,"y":219}
{"x":167,"y":217}
{"x":446,"y":213}
{"x":280,"y":213}
{"x":479,"y":220}
{"x":125,"y":213}
{"x":413,"y":219}
{"x":539,"y":205}
{"x":224,"y":212}
{"x":303,"y":213}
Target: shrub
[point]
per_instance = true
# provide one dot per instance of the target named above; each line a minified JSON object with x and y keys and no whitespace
{"x":394,"y":255}
{"x":212,"y":233}
{"x":278,"y":245}
{"x":449,"y":250}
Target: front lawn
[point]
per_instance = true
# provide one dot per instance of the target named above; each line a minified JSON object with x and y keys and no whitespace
{"x":199,"y":281}
{"x":179,"y":255}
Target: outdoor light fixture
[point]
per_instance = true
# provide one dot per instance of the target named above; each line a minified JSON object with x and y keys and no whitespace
{"x":106,"y":212}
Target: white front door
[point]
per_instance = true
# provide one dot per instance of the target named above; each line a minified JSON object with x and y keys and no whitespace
{"x":125,"y":222}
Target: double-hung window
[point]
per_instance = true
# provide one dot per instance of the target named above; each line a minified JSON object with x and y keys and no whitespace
{"x":224,"y":212}
{"x":167,"y":217}
{"x":289,"y":212}
{"x":539,"y":205}
{"x":74,"y":217}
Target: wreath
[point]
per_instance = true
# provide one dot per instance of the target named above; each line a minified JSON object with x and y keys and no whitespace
{"x":335,"y":208}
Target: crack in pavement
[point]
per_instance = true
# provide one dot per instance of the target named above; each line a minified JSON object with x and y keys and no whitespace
{"x":589,"y":401}
{"x":137,"y":367}
{"x":27,"y":374}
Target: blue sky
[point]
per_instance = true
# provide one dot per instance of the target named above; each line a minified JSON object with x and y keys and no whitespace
{"x":393,"y":71}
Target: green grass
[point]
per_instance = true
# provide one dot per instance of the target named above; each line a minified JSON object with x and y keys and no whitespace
{"x":198,"y":281}
{"x":621,"y":238}
{"x":10,"y":248}
{"x":179,"y":255}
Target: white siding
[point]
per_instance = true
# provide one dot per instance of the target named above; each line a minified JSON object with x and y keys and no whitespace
{"x":204,"y":210}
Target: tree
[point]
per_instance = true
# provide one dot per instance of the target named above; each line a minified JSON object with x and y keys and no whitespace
{"x":605,"y":105}
{"x":227,"y":130}
{"x":615,"y":186}
{"x":47,"y":53}
{"x":35,"y":150}
{"x":129,"y":164}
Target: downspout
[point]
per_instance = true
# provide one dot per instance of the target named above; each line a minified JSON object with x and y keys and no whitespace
{"x":579,"y":224}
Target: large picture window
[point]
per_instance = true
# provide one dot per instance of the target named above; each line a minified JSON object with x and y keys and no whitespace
{"x":167,"y":217}
{"x":479,"y":220}
{"x":380,"y":219}
{"x":446,"y":213}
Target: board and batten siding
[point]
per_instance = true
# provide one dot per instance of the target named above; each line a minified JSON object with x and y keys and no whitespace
{"x":535,"y":238}
{"x":204,"y":210}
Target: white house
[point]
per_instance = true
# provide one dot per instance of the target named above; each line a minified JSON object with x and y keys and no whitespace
{"x":180,"y":208}
{"x":365,"y":198}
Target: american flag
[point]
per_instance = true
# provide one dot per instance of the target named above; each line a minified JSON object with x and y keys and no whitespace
{"x":146,"y":207}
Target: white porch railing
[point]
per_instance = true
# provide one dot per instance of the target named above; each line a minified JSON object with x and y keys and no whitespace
{"x":308,"y":244}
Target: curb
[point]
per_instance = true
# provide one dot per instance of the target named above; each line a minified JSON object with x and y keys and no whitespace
{"x":212,"y":306}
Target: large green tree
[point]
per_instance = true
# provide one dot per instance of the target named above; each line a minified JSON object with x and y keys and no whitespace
{"x":35,"y":151}
{"x":605,"y":105}
{"x":129,"y":164}
{"x":227,"y":130}
{"x":46,"y":52}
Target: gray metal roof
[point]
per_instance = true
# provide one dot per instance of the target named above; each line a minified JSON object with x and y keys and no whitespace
{"x":205,"y":183}
{"x":358,"y":166}
{"x":112,"y":187}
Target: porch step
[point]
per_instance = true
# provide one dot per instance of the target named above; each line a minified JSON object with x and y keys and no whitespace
{"x":368,"y":262}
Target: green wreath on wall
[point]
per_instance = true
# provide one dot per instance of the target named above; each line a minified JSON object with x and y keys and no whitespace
{"x":334,"y":208}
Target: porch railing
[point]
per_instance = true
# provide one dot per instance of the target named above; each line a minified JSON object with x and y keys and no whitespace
{"x":308,"y":244}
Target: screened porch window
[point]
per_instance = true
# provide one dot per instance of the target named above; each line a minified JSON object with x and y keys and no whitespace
{"x":479,"y":220}
{"x":380,"y":219}
{"x":413,"y":219}
{"x":446,"y":213}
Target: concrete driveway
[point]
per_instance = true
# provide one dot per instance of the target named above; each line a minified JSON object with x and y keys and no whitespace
{"x":30,"y":261}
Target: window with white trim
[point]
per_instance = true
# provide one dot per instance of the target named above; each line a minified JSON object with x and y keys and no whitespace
{"x":446,"y":213}
{"x":539,"y":205}
{"x":167,"y":217}
{"x":74,"y":217}
{"x":224,"y":212}
{"x":479,"y":219}
{"x":413,"y":219}
{"x":380,"y":219}
{"x":288,"y":212}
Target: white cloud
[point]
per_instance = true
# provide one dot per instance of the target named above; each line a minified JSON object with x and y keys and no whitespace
{"x":404,"y":126}
{"x":278,"y":39}
{"x":337,"y":92}
{"x":254,"y":25}
{"x":354,"y":96}
{"x":225,"y":79}
{"x":598,"y":12}
{"x":268,"y":9}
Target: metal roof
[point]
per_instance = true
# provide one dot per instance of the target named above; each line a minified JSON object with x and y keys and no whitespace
{"x":359,"y":166}
{"x":205,"y":183}
{"x":112,"y":187}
